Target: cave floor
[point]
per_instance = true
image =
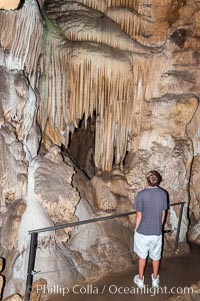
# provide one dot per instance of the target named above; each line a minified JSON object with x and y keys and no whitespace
{"x":176,"y":274}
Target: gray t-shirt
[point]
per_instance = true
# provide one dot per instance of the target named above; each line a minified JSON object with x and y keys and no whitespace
{"x":151,"y":202}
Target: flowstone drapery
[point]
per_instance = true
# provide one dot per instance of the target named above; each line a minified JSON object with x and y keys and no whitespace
{"x":126,"y":70}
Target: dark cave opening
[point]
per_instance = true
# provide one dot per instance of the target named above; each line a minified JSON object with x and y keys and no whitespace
{"x":81,"y":145}
{"x":21,"y":4}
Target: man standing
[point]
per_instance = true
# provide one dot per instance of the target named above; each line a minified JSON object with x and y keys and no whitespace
{"x":151,"y":205}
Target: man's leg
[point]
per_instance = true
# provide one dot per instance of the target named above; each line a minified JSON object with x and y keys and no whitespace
{"x":156,"y":264}
{"x":142,"y":264}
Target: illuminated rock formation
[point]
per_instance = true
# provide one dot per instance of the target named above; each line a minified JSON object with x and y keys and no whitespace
{"x":50,"y":199}
{"x":193,"y":294}
{"x":22,"y":47}
{"x":14,"y":297}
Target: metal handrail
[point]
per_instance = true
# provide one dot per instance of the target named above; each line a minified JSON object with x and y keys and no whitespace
{"x":34,"y":239}
{"x":87,"y":221}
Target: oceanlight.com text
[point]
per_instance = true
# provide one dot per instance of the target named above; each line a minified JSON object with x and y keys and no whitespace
{"x":112,"y":289}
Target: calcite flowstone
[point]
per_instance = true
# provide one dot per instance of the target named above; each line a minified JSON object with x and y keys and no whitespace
{"x":194,"y":232}
{"x":14,"y":297}
{"x":11,"y":224}
{"x":38,"y":290}
{"x":195,"y":189}
{"x":100,"y":247}
{"x":102,"y":196}
{"x":18,"y":107}
{"x":13,"y":187}
{"x":59,"y":203}
{"x":194,"y":205}
{"x":13,"y":167}
{"x":50,"y":199}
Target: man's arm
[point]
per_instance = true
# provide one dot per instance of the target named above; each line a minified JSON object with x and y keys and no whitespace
{"x":163,"y":216}
{"x":138,"y":219}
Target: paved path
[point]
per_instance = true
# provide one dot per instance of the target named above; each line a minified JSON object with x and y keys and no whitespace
{"x":176,"y":272}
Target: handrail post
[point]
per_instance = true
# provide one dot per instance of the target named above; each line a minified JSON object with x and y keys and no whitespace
{"x":31,"y":265}
{"x":179,"y":227}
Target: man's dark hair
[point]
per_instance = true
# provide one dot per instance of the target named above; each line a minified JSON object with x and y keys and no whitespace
{"x":153,"y":178}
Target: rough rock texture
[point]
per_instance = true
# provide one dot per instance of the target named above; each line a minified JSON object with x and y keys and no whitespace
{"x":14,"y":297}
{"x":15,"y":122}
{"x":112,"y":193}
{"x":46,"y":206}
{"x":165,"y":146}
{"x":132,"y":67}
{"x":10,"y":226}
{"x":18,"y":108}
{"x":102,"y":196}
{"x":194,"y":232}
{"x":13,"y":187}
{"x":194,"y":205}
{"x":38,"y":290}
{"x":50,"y":171}
{"x":13,"y":173}
{"x":194,"y":212}
{"x":100,"y":251}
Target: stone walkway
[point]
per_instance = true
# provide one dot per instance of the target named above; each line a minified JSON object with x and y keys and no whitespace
{"x":176,"y":274}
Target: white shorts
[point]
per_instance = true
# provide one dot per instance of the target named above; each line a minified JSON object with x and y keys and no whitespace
{"x":144,"y":244}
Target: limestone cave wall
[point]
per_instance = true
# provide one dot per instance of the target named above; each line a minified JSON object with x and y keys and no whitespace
{"x":93,"y":94}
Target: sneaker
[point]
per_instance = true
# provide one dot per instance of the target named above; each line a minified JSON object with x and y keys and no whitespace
{"x":155,"y":282}
{"x":138,"y":281}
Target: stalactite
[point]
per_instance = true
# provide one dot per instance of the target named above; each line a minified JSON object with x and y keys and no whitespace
{"x":54,"y":90}
{"x":125,"y":3}
{"x":128,"y":21}
{"x":87,"y":81}
{"x":94,"y":4}
{"x":22,"y":39}
{"x":123,"y":43}
{"x":97,"y":27}
{"x":161,"y":65}
{"x":142,"y":21}
{"x":82,"y":77}
{"x":141,"y":67}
